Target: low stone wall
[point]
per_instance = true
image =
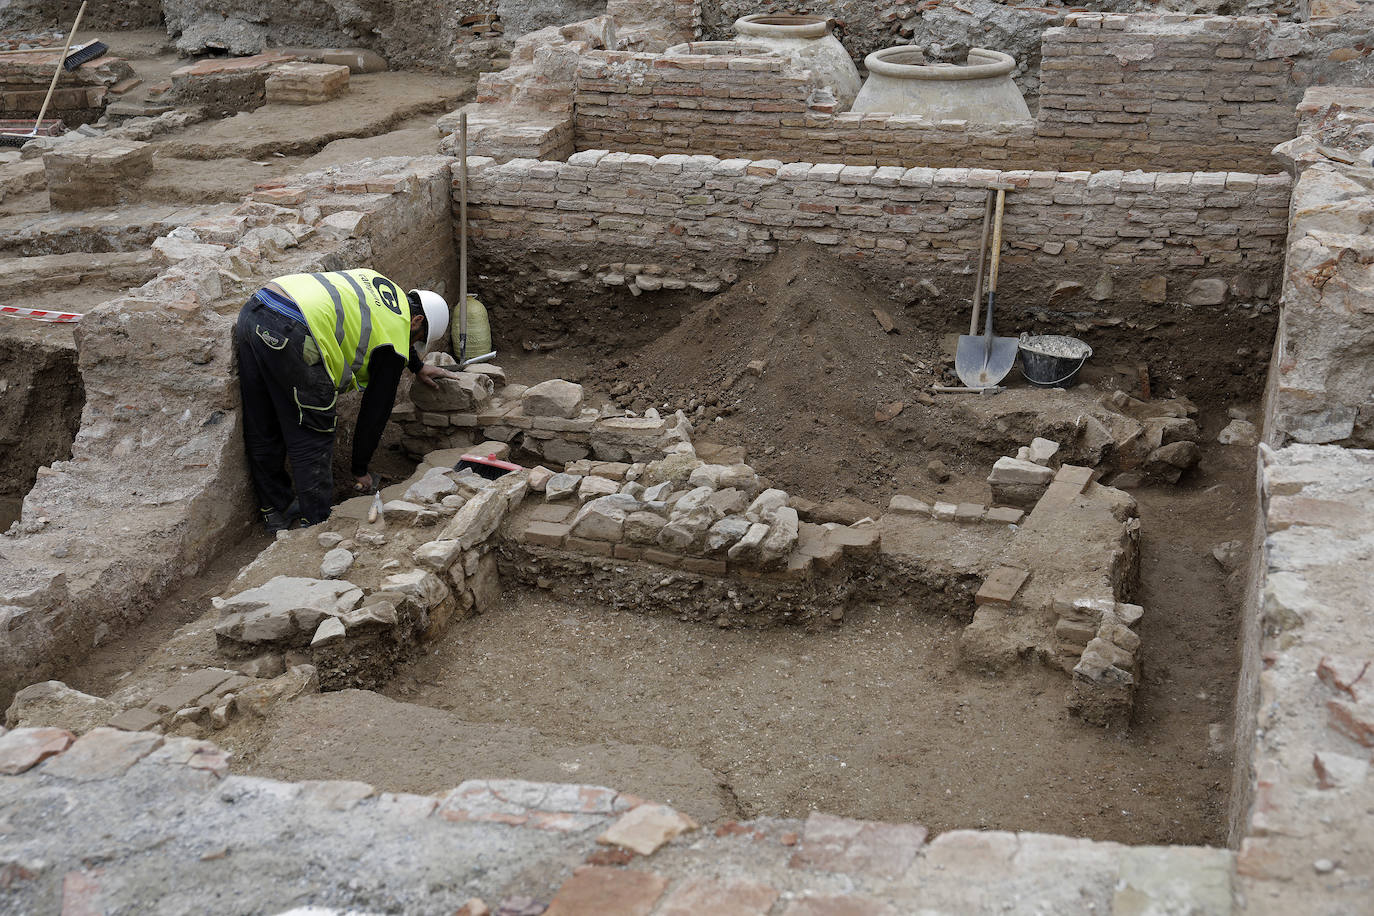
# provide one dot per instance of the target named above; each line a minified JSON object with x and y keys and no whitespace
{"x":1321,"y":380}
{"x":435,"y":853}
{"x":1193,"y":238}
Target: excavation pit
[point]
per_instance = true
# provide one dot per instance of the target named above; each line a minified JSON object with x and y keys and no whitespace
{"x":979,"y":618}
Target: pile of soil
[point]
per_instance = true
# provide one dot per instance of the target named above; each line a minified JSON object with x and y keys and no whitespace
{"x":809,"y":420}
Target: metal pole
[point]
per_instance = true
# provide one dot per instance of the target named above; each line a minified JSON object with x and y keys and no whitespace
{"x":462,"y":238}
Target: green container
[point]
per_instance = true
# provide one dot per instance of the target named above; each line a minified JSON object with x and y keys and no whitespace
{"x":479,"y":330}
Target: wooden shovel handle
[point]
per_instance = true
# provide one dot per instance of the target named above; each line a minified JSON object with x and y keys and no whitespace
{"x":997,"y":241}
{"x":57,"y":73}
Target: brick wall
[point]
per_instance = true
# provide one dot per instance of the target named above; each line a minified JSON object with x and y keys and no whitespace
{"x":1205,"y":83}
{"x":1157,"y":234}
{"x":759,"y":107}
{"x":1155,"y":92}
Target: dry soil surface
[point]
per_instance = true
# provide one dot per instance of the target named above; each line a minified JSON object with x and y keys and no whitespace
{"x":875,"y":719}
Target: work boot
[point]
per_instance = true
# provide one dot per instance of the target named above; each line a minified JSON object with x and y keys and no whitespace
{"x":275,"y":520}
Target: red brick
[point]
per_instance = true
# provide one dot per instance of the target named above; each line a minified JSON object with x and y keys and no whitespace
{"x":1354,"y":720}
{"x":594,"y":890}
{"x":103,"y":753}
{"x":698,"y":896}
{"x":840,"y":844}
{"x":24,"y":748}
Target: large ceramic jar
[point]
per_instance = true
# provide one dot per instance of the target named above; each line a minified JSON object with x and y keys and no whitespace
{"x":809,"y":42}
{"x":980,"y":91}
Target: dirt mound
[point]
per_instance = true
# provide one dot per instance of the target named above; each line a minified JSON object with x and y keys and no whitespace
{"x":828,"y":365}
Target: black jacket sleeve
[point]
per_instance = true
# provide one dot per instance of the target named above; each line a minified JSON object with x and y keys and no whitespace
{"x":384,"y":379}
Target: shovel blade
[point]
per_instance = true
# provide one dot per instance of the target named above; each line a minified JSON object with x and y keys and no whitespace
{"x":980,"y":365}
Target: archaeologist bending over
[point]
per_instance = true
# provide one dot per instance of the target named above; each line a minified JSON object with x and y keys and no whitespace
{"x":304,"y":339}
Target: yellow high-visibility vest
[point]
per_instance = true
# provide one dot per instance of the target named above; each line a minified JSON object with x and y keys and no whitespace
{"x":350,"y":313}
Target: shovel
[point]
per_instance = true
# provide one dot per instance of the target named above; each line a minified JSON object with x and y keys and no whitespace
{"x":983,"y":362}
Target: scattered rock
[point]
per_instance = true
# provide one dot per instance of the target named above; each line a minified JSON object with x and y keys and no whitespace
{"x":560,"y":486}
{"x":1239,"y":432}
{"x":1227,"y":554}
{"x":336,"y":563}
{"x":1169,"y":462}
{"x":330,"y":630}
{"x":765,"y":506}
{"x":938,"y":470}
{"x":1211,"y":291}
{"x":53,"y":703}
{"x":539,"y":478}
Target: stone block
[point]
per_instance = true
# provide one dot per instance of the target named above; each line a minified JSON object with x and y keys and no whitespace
{"x":190,"y":687}
{"x":553,"y":398}
{"x":465,"y":393}
{"x":99,"y":172}
{"x":968,"y":513}
{"x":545,"y":534}
{"x":908,"y":505}
{"x":1001,"y":586}
{"x":299,"y":83}
{"x":1004,"y":515}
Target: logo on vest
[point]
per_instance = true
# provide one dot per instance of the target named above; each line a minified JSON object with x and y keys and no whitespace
{"x":391,"y":296}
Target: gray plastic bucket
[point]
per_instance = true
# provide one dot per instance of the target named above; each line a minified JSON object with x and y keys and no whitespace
{"x":1052,"y":360}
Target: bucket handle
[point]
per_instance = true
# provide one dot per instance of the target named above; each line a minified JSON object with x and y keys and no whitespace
{"x":1081,"y":362}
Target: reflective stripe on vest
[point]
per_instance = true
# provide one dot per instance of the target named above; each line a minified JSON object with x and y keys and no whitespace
{"x":350,"y":314}
{"x":364,"y":313}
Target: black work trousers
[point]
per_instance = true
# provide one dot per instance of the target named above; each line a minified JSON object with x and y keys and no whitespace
{"x":288,"y":412}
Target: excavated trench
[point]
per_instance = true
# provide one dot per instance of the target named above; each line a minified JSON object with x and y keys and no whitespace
{"x":41,"y":397}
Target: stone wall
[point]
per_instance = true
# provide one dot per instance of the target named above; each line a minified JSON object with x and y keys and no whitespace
{"x":1321,"y":380}
{"x":511,"y":846}
{"x":1171,"y":237}
{"x":86,"y":560}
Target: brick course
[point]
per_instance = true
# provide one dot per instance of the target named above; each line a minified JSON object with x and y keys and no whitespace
{"x":1151,"y":91}
{"x":1187,"y":226}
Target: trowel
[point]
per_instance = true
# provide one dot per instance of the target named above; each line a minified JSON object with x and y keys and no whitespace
{"x":983,"y":361}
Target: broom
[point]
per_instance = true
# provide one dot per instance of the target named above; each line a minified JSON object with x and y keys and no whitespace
{"x":21,"y":139}
{"x":80,"y":54}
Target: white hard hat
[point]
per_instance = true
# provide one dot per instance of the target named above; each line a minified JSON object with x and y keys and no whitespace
{"x":436,"y":313}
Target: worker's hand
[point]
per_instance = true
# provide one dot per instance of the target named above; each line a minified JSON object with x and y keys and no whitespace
{"x":430,"y":375}
{"x":367,"y":483}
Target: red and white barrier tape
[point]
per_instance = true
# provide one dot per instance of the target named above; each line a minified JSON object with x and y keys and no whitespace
{"x":38,"y":314}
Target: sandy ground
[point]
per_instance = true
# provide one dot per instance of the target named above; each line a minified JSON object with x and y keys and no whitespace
{"x":875,"y":719}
